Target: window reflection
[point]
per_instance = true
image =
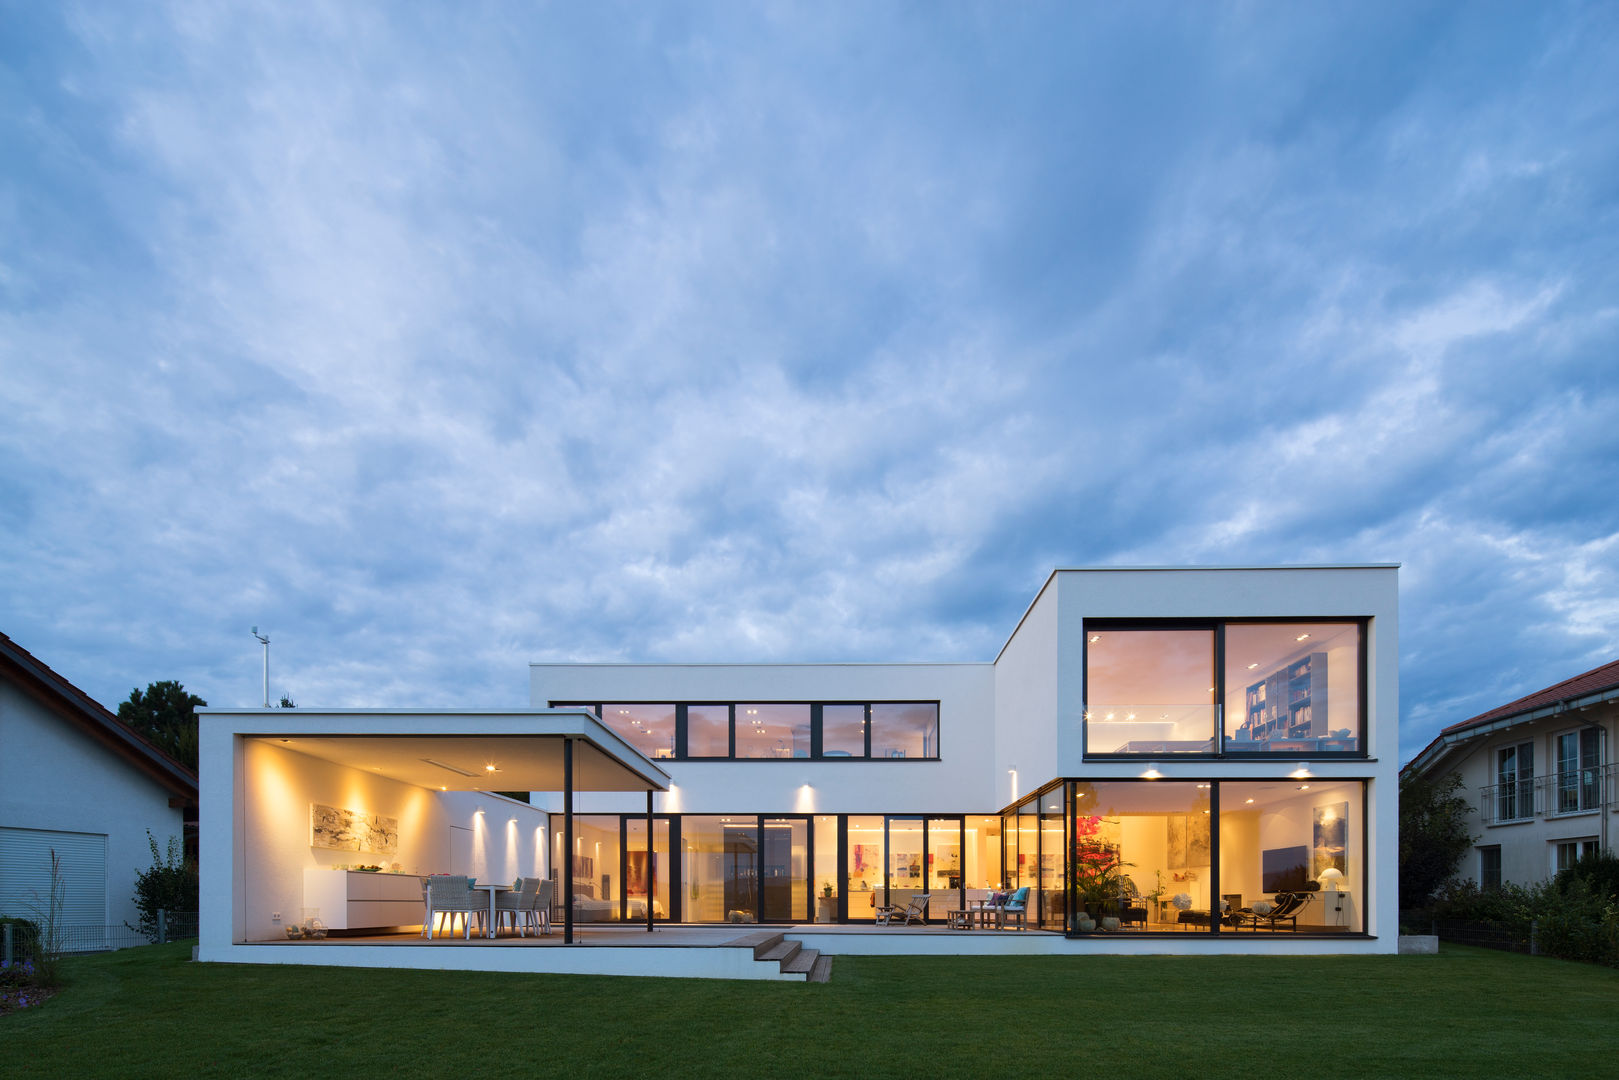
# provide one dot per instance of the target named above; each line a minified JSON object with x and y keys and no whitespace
{"x":1296,"y":848}
{"x":843,"y":731}
{"x":1149,"y":691}
{"x":708,"y":731}
{"x":907,"y":730}
{"x":772,"y":731}
{"x":648,"y":728}
{"x":1292,"y":687}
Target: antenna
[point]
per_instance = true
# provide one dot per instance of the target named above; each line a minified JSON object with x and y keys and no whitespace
{"x":264,"y":639}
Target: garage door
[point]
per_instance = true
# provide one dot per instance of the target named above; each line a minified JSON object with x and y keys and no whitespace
{"x":25,"y":875}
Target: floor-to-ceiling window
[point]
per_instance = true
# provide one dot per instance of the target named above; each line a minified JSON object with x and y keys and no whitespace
{"x":644,"y":871}
{"x":784,"y":870}
{"x":864,"y":883}
{"x":719,"y":876}
{"x":1300,"y":837}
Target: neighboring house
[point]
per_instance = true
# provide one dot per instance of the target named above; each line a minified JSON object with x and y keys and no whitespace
{"x":1215,"y":736}
{"x":1540,"y":772}
{"x":76,"y":780}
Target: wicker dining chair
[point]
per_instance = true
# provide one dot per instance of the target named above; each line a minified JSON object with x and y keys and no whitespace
{"x":518,"y":904}
{"x":449,"y":895}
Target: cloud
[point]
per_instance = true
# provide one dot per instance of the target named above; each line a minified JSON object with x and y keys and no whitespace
{"x":441,"y":340}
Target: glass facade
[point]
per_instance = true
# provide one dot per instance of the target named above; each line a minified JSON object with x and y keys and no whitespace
{"x":648,"y":728}
{"x":1149,"y":691}
{"x":888,"y":731}
{"x":1292,"y":688}
{"x":772,"y":731}
{"x":708,"y":731}
{"x":1114,"y":856}
{"x":1226,"y":689}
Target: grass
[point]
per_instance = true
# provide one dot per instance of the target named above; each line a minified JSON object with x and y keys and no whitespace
{"x":1467,"y":1012}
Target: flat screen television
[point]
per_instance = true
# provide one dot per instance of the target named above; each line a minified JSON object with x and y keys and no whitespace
{"x":1283,"y":869}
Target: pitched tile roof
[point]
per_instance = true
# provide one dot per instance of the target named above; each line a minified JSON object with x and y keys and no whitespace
{"x":74,"y":704}
{"x":1594,"y":681}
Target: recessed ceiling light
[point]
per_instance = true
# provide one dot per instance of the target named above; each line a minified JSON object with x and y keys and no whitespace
{"x":1095,"y":638}
{"x":1252,"y":666}
{"x":1301,"y":637}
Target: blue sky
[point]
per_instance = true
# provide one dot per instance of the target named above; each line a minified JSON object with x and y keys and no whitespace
{"x":442,"y":338}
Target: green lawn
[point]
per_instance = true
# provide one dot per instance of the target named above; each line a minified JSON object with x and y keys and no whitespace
{"x":1465,"y":1013}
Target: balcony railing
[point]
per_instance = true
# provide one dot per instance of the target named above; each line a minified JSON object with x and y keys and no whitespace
{"x":1578,"y":792}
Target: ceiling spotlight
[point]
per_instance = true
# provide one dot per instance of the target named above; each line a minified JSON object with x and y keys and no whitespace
{"x":1301,"y":637}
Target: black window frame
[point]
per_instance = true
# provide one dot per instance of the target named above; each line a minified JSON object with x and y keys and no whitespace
{"x":817,"y":749}
{"x":1218,"y":627}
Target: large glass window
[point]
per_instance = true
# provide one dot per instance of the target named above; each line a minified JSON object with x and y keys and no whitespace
{"x":1053,"y":906}
{"x":1149,"y":691}
{"x":648,"y":728}
{"x":720,"y":874}
{"x":983,"y":853}
{"x":708,"y":731}
{"x":772,"y":731}
{"x":1296,"y":847}
{"x":909,"y":730}
{"x":597,"y":887}
{"x":1141,"y":854}
{"x":864,"y":883}
{"x":784,"y":870}
{"x":767,"y":731}
{"x":843,"y":731}
{"x":645,"y":872}
{"x":1292,"y":687}
{"x":826,"y":869}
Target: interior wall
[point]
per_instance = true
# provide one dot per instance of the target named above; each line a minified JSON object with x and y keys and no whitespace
{"x":278,"y":786}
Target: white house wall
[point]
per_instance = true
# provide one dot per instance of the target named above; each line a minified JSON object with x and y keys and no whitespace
{"x":55,"y":776}
{"x":1028,"y":743}
{"x":957,"y":781}
{"x":1288,"y":592}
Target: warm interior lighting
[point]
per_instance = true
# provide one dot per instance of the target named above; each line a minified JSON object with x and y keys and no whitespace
{"x":1252,"y":666}
{"x":1095,"y":638}
{"x":1301,"y":773}
{"x":490,"y":768}
{"x":1301,"y":637}
{"x":451,"y":768}
{"x":1152,"y":772}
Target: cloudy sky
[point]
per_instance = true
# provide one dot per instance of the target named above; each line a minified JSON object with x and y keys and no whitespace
{"x":437,"y":339}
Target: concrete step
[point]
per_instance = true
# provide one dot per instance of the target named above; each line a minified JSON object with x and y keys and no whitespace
{"x":802,"y":962}
{"x":782,"y":952}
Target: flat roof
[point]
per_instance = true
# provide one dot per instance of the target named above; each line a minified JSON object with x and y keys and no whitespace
{"x":454,"y":749}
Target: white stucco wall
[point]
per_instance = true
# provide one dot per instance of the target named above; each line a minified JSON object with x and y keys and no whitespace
{"x":1285,"y":592}
{"x":955,"y":783}
{"x":55,"y":776}
{"x":1028,"y":740}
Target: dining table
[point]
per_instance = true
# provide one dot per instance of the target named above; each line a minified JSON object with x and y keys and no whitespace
{"x":489,"y":927}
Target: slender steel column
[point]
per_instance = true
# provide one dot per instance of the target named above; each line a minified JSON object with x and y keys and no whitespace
{"x":566,"y":880}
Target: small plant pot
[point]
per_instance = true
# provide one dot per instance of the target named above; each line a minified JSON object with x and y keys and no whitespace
{"x":1086,"y":924}
{"x":1110,"y":922}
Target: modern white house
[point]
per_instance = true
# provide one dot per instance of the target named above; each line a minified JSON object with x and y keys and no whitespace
{"x":1541,"y":773}
{"x":77,"y":781}
{"x":1192,"y":760}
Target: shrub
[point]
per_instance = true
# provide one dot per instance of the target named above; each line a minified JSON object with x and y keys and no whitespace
{"x":169,"y":884}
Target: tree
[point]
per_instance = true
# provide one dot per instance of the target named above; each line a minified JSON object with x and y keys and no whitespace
{"x":1434,"y":834}
{"x":286,"y":702}
{"x":166,"y":715}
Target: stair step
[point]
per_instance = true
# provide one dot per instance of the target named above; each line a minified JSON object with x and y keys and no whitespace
{"x":822,"y":971}
{"x":802,"y":963}
{"x":782,"y":952}
{"x":760,"y":941}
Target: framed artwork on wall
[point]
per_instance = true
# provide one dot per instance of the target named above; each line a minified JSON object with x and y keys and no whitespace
{"x":1331,"y":839}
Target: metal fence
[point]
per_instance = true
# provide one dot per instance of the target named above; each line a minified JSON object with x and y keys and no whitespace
{"x":21,"y":941}
{"x":1460,"y":932}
